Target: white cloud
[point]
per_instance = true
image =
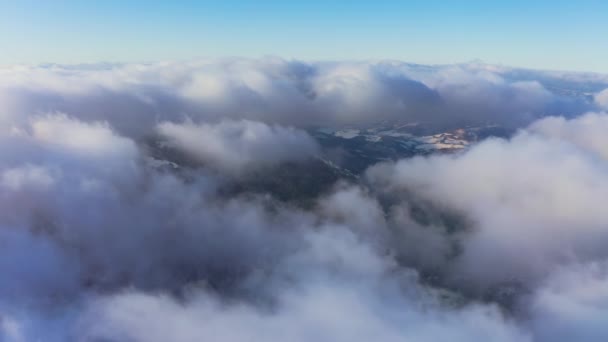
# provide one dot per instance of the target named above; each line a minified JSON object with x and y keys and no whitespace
{"x":70,"y":134}
{"x":572,"y":305}
{"x":601,"y":99}
{"x":239,"y":146}
{"x":587,"y":132}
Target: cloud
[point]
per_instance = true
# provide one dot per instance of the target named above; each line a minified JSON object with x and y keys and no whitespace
{"x":238,"y":146}
{"x":101,"y":246}
{"x":100,"y":241}
{"x":329,"y":313}
{"x":133,"y":98}
{"x":547,"y":181}
{"x":601,"y":99}
{"x":572,"y":304}
{"x":334,"y":288}
{"x":60,"y":131}
{"x":10,"y":330}
{"x":586,"y":132}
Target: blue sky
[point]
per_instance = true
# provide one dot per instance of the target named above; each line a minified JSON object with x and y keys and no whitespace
{"x":546,"y":34}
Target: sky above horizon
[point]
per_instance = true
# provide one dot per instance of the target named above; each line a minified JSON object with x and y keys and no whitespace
{"x":558,"y":34}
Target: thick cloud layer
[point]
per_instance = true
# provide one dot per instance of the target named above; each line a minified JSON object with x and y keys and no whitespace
{"x":100,"y":240}
{"x":104,"y":242}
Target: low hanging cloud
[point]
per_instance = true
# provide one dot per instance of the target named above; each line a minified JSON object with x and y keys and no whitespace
{"x":503,"y":241}
{"x":239,"y":146}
